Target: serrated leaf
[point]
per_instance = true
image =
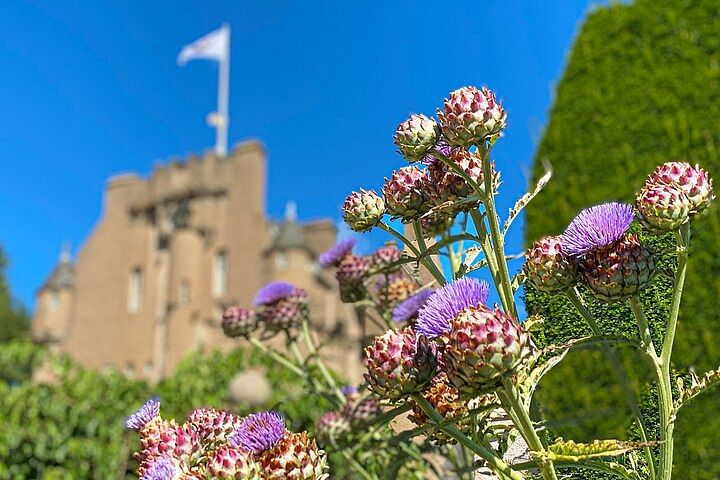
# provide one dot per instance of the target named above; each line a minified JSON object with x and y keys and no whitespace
{"x":569,"y":450}
{"x":527,"y":198}
{"x":697,"y":386}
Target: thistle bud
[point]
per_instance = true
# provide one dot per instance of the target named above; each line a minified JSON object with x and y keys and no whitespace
{"x":363,"y":210}
{"x":469,"y":116}
{"x":406,"y":193}
{"x":416,"y":136}
{"x":548,"y":268}
{"x":238,"y":322}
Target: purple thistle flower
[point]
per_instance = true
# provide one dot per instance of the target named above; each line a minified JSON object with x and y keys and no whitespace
{"x":441,"y":146}
{"x":349,"y":390}
{"x":409,"y":309}
{"x":333,"y":256}
{"x":272,"y":292}
{"x":143,"y":415}
{"x":161,"y":469}
{"x":596,"y":227}
{"x":445,"y":304}
{"x":258,"y":432}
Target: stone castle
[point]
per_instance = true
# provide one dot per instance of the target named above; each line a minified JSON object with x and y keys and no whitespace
{"x":170,"y":252}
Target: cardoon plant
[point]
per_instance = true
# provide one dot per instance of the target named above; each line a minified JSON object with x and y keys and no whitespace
{"x":463,"y":371}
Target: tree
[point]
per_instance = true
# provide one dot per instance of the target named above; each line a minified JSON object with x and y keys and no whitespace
{"x":642,"y":86}
{"x":14,"y":321}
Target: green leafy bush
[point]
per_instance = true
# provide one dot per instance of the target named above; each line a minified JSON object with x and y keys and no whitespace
{"x":642,"y":86}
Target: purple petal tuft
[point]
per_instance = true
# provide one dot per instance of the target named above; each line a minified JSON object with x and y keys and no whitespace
{"x":161,"y":469}
{"x":445,"y":304}
{"x":143,"y":415}
{"x":336,"y":253}
{"x":258,"y":432}
{"x":596,"y":227}
{"x":409,"y":309}
{"x":272,"y":292}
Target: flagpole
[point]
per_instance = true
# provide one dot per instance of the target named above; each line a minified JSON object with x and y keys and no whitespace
{"x":221,"y":131}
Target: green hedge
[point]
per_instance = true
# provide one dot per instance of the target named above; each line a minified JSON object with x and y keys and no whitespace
{"x":642,"y":86}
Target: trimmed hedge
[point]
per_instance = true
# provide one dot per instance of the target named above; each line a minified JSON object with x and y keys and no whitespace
{"x":642,"y":86}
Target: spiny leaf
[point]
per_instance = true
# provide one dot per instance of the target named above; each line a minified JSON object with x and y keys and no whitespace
{"x":697,"y":386}
{"x":569,"y":450}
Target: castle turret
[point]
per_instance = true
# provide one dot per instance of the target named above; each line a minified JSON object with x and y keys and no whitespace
{"x":54,"y":302}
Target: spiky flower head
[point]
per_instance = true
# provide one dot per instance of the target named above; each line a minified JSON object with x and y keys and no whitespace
{"x":180,"y":442}
{"x":353,"y":268}
{"x":258,"y":432}
{"x":451,"y":186}
{"x":437,"y":222}
{"x":597,"y":227}
{"x":447,"y":302}
{"x":408,"y":310}
{"x":238,"y":322}
{"x":213,"y":426}
{"x":445,"y":398}
{"x":416,"y":136}
{"x":144,"y":415}
{"x":228,"y":463}
{"x":394,"y":288}
{"x":336,"y":253}
{"x":482,"y":345}
{"x":386,"y":257}
{"x":470,"y":115}
{"x":331,"y":427}
{"x":618,"y":271}
{"x":662,"y":208}
{"x":694,"y":182}
{"x":363,"y":210}
{"x":406,"y":193}
{"x":399,"y":363}
{"x":361,"y":412}
{"x":548,"y":268}
{"x":295,"y":457}
{"x":350,"y":392}
{"x":162,"y":468}
{"x":281,"y":306}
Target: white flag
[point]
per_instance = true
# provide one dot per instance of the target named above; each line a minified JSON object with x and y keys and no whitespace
{"x":213,"y":46}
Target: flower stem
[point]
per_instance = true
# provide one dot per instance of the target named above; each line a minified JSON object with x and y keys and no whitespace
{"x":574,"y":296}
{"x":279,"y":358}
{"x":511,"y":401}
{"x":321,"y":365}
{"x":487,"y":249}
{"x":498,"y":466}
{"x":667,"y":425}
{"x":356,"y":466}
{"x":498,"y":242}
{"x":429,"y":262}
{"x":439,"y":277}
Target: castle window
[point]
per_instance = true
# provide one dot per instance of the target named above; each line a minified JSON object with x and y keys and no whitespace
{"x":184,"y":293}
{"x":281,"y":261}
{"x":53,"y":301}
{"x":135,"y":290}
{"x":220,"y":274}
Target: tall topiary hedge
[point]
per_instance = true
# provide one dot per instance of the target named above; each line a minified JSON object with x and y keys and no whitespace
{"x":642,"y":86}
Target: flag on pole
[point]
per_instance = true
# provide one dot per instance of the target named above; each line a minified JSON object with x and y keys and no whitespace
{"x":213,"y":46}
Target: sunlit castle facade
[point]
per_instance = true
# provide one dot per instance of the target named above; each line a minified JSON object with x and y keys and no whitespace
{"x":170,"y":252}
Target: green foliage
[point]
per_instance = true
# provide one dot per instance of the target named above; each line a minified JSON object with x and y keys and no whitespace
{"x":642,"y":86}
{"x":14,"y":322}
{"x":72,"y":427}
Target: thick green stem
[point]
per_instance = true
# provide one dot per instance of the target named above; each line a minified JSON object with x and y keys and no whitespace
{"x":439,"y":277}
{"x":667,"y":425}
{"x":643,"y":326}
{"x":487,"y":249}
{"x":278,"y":358}
{"x":428,"y":260}
{"x":511,"y":401}
{"x":498,"y":242}
{"x":356,"y":466}
{"x":319,"y":362}
{"x":498,"y":466}
{"x":630,"y":397}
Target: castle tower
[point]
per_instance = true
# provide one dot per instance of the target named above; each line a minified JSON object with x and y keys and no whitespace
{"x":55,"y":302}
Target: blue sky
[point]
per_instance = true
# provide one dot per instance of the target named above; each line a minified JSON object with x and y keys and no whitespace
{"x":91,"y":89}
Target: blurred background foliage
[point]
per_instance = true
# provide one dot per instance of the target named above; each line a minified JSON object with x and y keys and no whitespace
{"x":14,"y":320}
{"x":641,"y":87}
{"x":60,"y":421}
